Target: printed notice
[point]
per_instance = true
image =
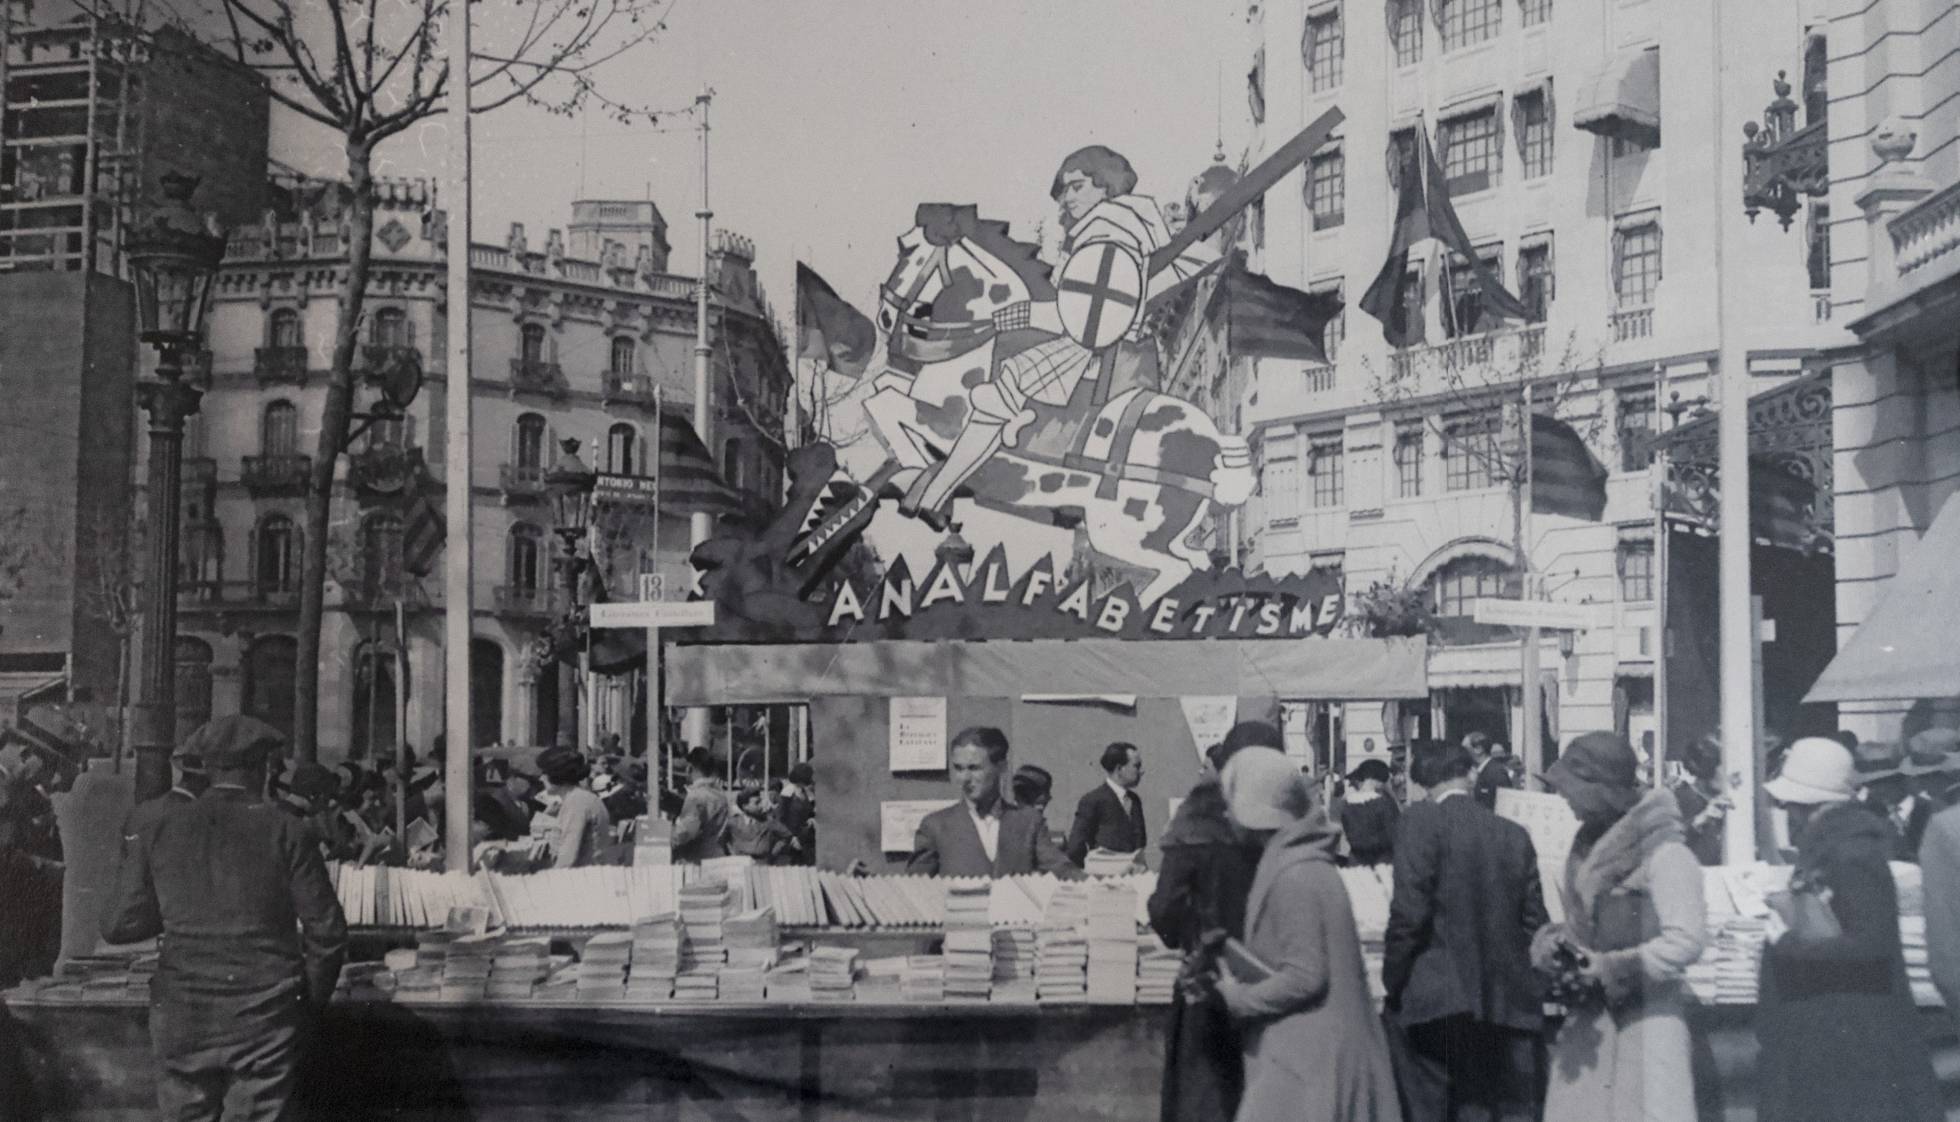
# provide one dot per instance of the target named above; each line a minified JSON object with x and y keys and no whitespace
{"x":918,"y":735}
{"x":1209,"y":718}
{"x":1551,"y":824}
{"x":898,"y":821}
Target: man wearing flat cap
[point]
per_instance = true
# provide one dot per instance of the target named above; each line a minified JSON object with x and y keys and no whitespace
{"x":250,"y":933}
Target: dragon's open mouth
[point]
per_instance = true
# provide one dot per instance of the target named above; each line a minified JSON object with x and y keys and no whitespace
{"x":840,"y":507}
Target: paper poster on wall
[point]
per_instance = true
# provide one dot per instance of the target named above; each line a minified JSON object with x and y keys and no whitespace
{"x":918,"y":734}
{"x":898,"y":821}
{"x":1549,"y":821}
{"x":1209,"y":718}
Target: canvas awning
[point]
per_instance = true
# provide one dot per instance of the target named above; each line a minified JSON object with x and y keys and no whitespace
{"x":1904,"y":651}
{"x":1624,"y":99}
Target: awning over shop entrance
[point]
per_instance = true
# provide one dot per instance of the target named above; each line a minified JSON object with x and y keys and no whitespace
{"x":1905,"y":650}
{"x":1624,"y":99}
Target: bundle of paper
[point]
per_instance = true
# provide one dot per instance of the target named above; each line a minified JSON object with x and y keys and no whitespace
{"x":602,"y":966}
{"x":1061,"y":945}
{"x":466,"y":968}
{"x":924,"y":979}
{"x":751,"y":938}
{"x":705,"y":909}
{"x":1157,"y":967}
{"x":1112,"y":978}
{"x":743,"y":983}
{"x":364,"y":981}
{"x":418,"y":983}
{"x":516,"y":967}
{"x":432,"y":948}
{"x":1014,"y":954}
{"x":968,"y":966}
{"x":1107,"y":863}
{"x":698,"y":982}
{"x":832,"y":972}
{"x":789,"y":980}
{"x":732,"y":871}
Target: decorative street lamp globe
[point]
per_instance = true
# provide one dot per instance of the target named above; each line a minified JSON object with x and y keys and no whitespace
{"x":174,"y":254}
{"x":569,"y":483}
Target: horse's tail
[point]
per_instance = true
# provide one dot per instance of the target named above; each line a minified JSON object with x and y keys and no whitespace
{"x":1232,"y":480}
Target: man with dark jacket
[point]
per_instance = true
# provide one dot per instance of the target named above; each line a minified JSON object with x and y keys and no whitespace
{"x":981,"y":836}
{"x":1457,"y":964}
{"x":1490,"y":770}
{"x":1111,"y":816}
{"x":797,"y":812}
{"x":252,"y":936}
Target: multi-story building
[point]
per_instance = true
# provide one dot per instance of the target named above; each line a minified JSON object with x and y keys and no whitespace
{"x":1895,"y":279}
{"x":587,"y":336}
{"x":1579,"y":140}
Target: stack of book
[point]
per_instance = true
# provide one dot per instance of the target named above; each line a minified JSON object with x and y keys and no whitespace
{"x":1061,"y":950}
{"x":789,"y":980}
{"x":419,"y":983}
{"x":1014,"y":955}
{"x":432,"y":948}
{"x":466,"y":967}
{"x":516,"y":967}
{"x":968,"y":967}
{"x":1112,"y":945}
{"x":602,"y":966}
{"x":698,"y":981}
{"x":1912,"y":939}
{"x":743,"y":983}
{"x":751,"y":938}
{"x":924,"y":979}
{"x":656,"y":958}
{"x":561,"y":984}
{"x":832,"y":970}
{"x":364,"y":981}
{"x":705,"y":908}
{"x":1157,"y":967}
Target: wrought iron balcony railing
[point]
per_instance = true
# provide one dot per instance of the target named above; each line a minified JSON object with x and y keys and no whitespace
{"x":284,"y":473}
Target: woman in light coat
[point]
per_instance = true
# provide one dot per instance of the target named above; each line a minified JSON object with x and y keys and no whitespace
{"x":1634,"y":923}
{"x":1314,"y":1046}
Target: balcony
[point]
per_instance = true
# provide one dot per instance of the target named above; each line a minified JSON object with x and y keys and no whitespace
{"x":1926,"y":233}
{"x":201,"y":596}
{"x":1632,"y":323}
{"x":280,"y":366}
{"x":535,"y":376}
{"x":529,"y":602}
{"x":383,"y":470}
{"x":1498,"y":351}
{"x":629,"y":389}
{"x":521,"y":481}
{"x":284,"y":474}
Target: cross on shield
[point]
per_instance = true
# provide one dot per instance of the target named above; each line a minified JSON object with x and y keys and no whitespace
{"x":1099,"y":294}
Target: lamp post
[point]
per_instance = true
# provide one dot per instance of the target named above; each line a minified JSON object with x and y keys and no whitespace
{"x":174,"y":256}
{"x":569,"y":483}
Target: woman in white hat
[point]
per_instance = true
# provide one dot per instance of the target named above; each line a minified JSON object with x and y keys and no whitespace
{"x":1839,"y":1032}
{"x":1314,"y":1046}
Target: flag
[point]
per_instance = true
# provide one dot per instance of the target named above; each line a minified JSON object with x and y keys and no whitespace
{"x":1566,"y":478}
{"x":828,"y":329}
{"x":689,"y":481}
{"x":1266,"y":319}
{"x":1423,"y":212}
{"x":423,"y":530}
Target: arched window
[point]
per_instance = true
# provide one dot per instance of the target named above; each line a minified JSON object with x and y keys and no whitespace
{"x":279,"y":429}
{"x":526,"y":556}
{"x":389,"y":328}
{"x":276,"y":566}
{"x":201,"y":560}
{"x":622,"y":356}
{"x":486,"y":693}
{"x":1457,"y":586}
{"x":193,"y":684}
{"x":532,"y":340}
{"x":529,"y":441}
{"x":373,"y":727}
{"x":269,"y":672}
{"x":622,"y":447}
{"x":381,"y":555}
{"x":285,"y":329}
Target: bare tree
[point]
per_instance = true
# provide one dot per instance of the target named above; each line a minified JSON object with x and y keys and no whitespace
{"x":368,"y":71}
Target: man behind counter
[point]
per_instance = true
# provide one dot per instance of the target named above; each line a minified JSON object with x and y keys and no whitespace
{"x":981,"y":836}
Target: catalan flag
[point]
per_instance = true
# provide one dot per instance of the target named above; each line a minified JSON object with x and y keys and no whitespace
{"x":1266,"y":319}
{"x":1566,"y":478}
{"x":423,"y":530}
{"x":689,"y":480}
{"x":828,"y":328}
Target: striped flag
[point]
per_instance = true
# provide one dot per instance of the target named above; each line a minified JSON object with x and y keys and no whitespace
{"x":689,"y":481}
{"x":423,"y":530}
{"x":1566,"y":478}
{"x":1266,"y":319}
{"x":828,"y":328}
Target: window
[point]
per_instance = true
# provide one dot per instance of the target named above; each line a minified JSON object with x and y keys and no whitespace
{"x":1535,"y":284}
{"x":1334,"y":332}
{"x":1327,"y":189}
{"x":622,"y":442}
{"x":1471,"y":160}
{"x":1636,"y":560}
{"x":1408,"y":461}
{"x":731,"y":463}
{"x":622,"y":356}
{"x":1817,"y":251}
{"x":279,"y":429}
{"x":1639,"y":423}
{"x":276,"y":568}
{"x":1464,"y":314}
{"x":284,"y":330}
{"x":1324,"y":47}
{"x":1816,"y":69}
{"x":381,"y":555}
{"x":1326,"y":471}
{"x":201,"y":557}
{"x":1636,"y":264}
{"x":1458,"y":586}
{"x":1405,"y":30}
{"x":526,"y":557}
{"x":1469,"y":450}
{"x":531,"y":342}
{"x":1535,"y":11}
{"x":1532,"y":111}
{"x":389,"y":328}
{"x":1470,"y":21}
{"x":529,"y":441}
{"x":1279,"y":477}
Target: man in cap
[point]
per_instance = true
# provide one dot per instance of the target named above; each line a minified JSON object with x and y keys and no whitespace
{"x":797,"y":811}
{"x":1885,"y":787}
{"x":252,"y":935}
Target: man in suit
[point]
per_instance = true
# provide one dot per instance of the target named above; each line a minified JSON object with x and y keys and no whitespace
{"x":981,"y":836}
{"x":797,"y":812}
{"x":252,"y":933}
{"x":1490,"y":772}
{"x":1111,"y":816}
{"x":1457,"y":965}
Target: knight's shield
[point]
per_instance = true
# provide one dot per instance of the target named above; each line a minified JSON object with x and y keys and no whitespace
{"x":1099,"y":294}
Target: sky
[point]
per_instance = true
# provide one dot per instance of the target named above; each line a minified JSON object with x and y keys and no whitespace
{"x":832,"y":121}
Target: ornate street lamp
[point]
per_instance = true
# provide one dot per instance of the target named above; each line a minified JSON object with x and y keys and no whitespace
{"x":174,"y":255}
{"x":569,"y":484}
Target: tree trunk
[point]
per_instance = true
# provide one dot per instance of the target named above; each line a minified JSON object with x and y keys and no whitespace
{"x":334,"y":423}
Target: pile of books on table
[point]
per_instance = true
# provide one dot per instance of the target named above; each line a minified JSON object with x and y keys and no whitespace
{"x":466,"y":968}
{"x":789,"y":979}
{"x":1062,"y":946}
{"x":656,"y":958}
{"x":880,"y":981}
{"x":516,"y":967}
{"x":602,"y":966}
{"x":751,"y":938}
{"x":967,"y":971}
{"x":364,"y":981}
{"x":924,"y":979}
{"x":698,"y":981}
{"x":1112,"y":976}
{"x":1014,"y":964}
{"x":832,"y":972}
{"x":706,"y":907}
{"x":743,"y":982}
{"x":1157,"y":967}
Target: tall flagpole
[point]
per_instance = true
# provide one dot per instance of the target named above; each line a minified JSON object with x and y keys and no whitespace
{"x":1530,"y":689}
{"x":701,"y":523}
{"x":456,"y":462}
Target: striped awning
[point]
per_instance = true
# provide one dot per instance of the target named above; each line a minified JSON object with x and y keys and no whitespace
{"x":1904,"y":651}
{"x":1624,"y":99}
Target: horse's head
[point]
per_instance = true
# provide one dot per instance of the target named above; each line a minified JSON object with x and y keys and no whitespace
{"x":959,"y":278}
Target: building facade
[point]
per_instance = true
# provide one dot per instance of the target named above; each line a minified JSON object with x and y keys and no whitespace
{"x":586,"y":336}
{"x":1580,"y":142}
